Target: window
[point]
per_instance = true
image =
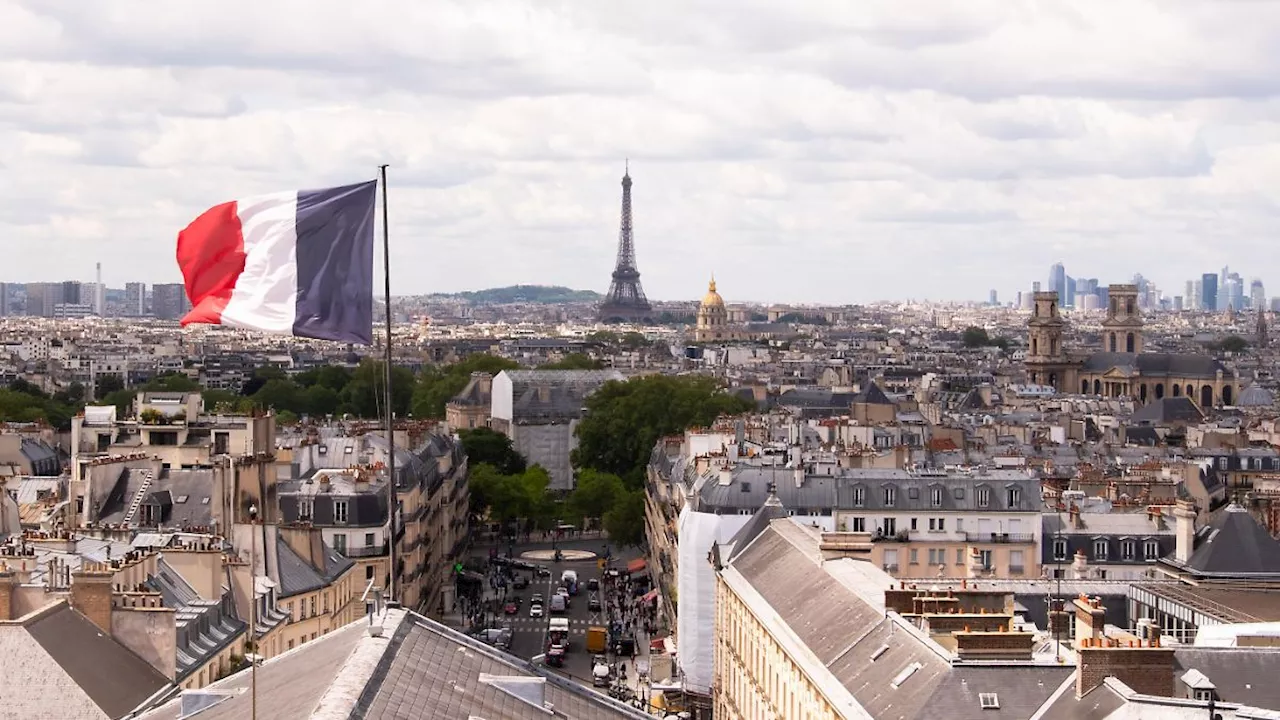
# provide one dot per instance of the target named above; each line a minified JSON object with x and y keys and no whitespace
{"x":313,"y":605}
{"x":1128,"y":549}
{"x":989,"y":701}
{"x":1013,"y":496}
{"x":857,"y":524}
{"x":1204,"y":695}
{"x":984,"y":497}
{"x":891,"y":560}
{"x":914,"y":524}
{"x":960,"y":556}
{"x":368,"y":572}
{"x":890,"y":495}
{"x":935,"y":496}
{"x":340,"y":511}
{"x":340,"y":543}
{"x":1059,"y":549}
{"x":1015,"y":561}
{"x":1150,"y":550}
{"x":1100,"y":549}
{"x":937,"y":557}
{"x":368,"y":539}
{"x":937,"y":524}
{"x":859,"y":496}
{"x":987,"y":559}
{"x":890,"y":526}
{"x":913,"y":493}
{"x":915,"y":556}
{"x":305,"y":509}
{"x":959,"y":493}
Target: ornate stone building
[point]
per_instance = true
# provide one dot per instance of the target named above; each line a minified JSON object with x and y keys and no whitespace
{"x":1122,"y":368}
{"x":713,"y":319}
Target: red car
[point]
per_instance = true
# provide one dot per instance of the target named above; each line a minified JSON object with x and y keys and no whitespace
{"x":511,"y":608}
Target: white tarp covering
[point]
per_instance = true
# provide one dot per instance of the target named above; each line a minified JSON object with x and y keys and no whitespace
{"x":99,"y":414}
{"x":696,"y":593}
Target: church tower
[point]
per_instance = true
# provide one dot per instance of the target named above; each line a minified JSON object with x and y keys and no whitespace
{"x":1261,"y":329}
{"x":1047,"y":362}
{"x":1122,"y":329}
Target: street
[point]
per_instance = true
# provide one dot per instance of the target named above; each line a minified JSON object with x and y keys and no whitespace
{"x":529,"y":634}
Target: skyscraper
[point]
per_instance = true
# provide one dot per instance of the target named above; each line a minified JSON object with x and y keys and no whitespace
{"x":1058,"y":281}
{"x":169,"y":301}
{"x":1257,"y":294}
{"x":994,"y":299}
{"x":135,"y":299}
{"x":1209,"y":292}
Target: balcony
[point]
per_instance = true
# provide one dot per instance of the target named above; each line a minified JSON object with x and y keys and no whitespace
{"x":880,"y":536}
{"x":1000,"y":538}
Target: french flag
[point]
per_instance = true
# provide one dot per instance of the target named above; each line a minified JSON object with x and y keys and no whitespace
{"x":295,"y":263}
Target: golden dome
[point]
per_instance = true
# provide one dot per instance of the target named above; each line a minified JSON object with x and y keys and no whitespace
{"x":712,"y":298}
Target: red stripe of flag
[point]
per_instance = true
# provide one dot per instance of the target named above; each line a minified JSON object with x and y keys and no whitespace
{"x":211,"y":256}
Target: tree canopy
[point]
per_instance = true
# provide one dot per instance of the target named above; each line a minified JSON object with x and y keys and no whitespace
{"x":624,"y":419}
{"x":492,"y":448}
{"x":976,"y":337}
{"x":574,"y":361}
{"x":1230,"y":344}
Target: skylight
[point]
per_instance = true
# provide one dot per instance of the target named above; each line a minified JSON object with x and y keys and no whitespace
{"x":906,"y":673}
{"x":989,"y":701}
{"x":879,"y":651}
{"x":180,"y":499}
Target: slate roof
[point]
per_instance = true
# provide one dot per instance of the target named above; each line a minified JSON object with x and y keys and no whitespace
{"x":565,"y":391}
{"x":1156,"y":365}
{"x":1168,"y":410}
{"x":70,"y":669}
{"x":296,"y":575}
{"x":770,"y":511}
{"x":1021,"y":691}
{"x":872,"y":395}
{"x":1235,"y":544}
{"x":434,"y":672}
{"x":1239,"y":675}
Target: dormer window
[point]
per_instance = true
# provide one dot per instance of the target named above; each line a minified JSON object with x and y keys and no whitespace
{"x":1128,"y":549}
{"x":935,"y":496}
{"x":984,"y":496}
{"x":1099,"y":549}
{"x":1150,"y":550}
{"x":890,"y":495}
{"x":306,"y":508}
{"x":1013,"y":497}
{"x":859,"y":496}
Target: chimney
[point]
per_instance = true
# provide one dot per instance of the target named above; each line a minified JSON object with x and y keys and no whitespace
{"x":726,"y":476}
{"x":7,"y":581}
{"x":799,"y":474}
{"x":484,"y":382}
{"x":1073,"y":517}
{"x":1080,"y":566}
{"x":1156,"y":515}
{"x":544,"y":393}
{"x":1185,"y":530}
{"x":91,"y":592}
{"x":1091,"y":618}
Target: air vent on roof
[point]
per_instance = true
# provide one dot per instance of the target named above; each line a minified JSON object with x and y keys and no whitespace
{"x":180,"y":499}
{"x":989,"y":701}
{"x":879,"y":651}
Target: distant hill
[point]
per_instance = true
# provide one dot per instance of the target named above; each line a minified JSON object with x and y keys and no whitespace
{"x":526,"y":294}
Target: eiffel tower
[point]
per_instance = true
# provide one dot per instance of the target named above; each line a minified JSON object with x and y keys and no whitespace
{"x":626,"y":301}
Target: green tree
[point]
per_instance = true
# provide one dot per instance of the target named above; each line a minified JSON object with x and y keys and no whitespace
{"x":625,"y":521}
{"x":72,"y":394}
{"x":1231,"y":344}
{"x":595,"y":494}
{"x":225,"y":402}
{"x":334,"y":377}
{"x":505,"y":498}
{"x":278,"y":394}
{"x":171,"y":382}
{"x":436,"y":386}
{"x":574,"y":361}
{"x":974,"y":337}
{"x":286,"y":417}
{"x":122,"y":399}
{"x":490,"y":447}
{"x":106,"y":384}
{"x":261,"y":376}
{"x":321,"y":400}
{"x":367,"y":389}
{"x":624,"y":419}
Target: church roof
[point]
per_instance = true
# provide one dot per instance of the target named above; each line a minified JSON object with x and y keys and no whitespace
{"x":1168,"y":410}
{"x":1176,"y":365}
{"x":712,"y":298}
{"x":1256,"y":396}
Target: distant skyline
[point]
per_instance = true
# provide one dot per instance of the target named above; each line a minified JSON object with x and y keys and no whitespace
{"x":804,"y":152}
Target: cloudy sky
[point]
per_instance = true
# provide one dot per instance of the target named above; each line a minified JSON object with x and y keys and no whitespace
{"x":802,"y":150}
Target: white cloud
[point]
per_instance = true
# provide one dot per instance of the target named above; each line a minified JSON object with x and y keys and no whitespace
{"x":813,"y":150}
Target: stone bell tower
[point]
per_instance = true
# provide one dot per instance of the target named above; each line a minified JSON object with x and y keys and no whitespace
{"x":1047,"y":362}
{"x":1122,"y":329}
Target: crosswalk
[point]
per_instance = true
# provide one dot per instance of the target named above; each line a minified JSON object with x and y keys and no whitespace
{"x":525,"y":624}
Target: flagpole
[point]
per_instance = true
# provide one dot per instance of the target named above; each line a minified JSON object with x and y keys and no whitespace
{"x":394,"y":597}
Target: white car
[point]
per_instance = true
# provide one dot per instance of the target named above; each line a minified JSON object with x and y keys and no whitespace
{"x":535,"y":610}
